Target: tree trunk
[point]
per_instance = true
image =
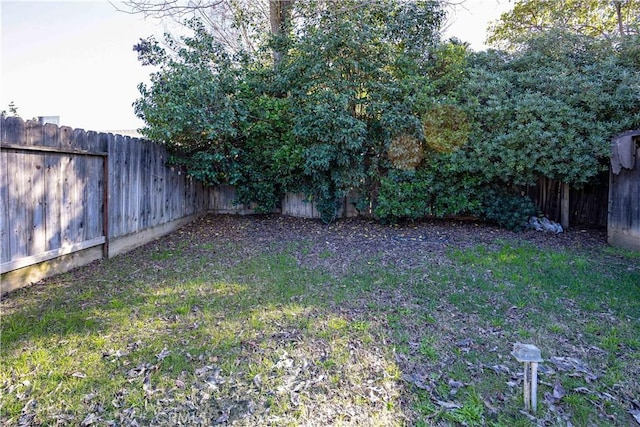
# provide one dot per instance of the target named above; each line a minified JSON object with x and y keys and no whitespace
{"x":618,"y":5}
{"x":279,"y":16}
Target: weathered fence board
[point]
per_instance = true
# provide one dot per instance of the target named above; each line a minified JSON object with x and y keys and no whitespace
{"x":298,"y":205}
{"x":45,"y":201}
{"x":5,"y":248}
{"x":223,"y":199}
{"x":144,"y":192}
{"x":53,"y":177}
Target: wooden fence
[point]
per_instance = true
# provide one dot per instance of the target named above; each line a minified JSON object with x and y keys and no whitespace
{"x":623,"y":227}
{"x":68,"y":197}
{"x":586,"y":206}
{"x":223,"y":200}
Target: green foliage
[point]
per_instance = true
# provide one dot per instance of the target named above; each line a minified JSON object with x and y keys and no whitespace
{"x":190,"y":106}
{"x":549,"y":111}
{"x":471,"y":413}
{"x":511,"y":211}
{"x":594,"y":18}
{"x":445,"y":128}
{"x":13,"y":111}
{"x":349,"y":79}
{"x":354,"y":87}
{"x":433,"y":190}
{"x":403,"y":195}
{"x":364,"y":98}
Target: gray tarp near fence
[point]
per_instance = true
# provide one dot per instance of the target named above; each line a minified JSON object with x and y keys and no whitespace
{"x":623,"y":152}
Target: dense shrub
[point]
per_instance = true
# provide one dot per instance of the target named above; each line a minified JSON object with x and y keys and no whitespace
{"x":366,"y":98}
{"x":509,"y":210}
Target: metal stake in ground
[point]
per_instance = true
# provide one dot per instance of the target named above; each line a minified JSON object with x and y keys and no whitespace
{"x":529,"y":354}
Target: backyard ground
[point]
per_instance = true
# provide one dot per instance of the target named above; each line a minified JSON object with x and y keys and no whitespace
{"x":269,"y":320}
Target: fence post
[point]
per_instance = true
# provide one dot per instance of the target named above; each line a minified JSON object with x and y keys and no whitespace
{"x":564,"y":212}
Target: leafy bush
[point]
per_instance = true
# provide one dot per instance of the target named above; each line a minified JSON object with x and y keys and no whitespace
{"x":365,"y":98}
{"x":511,"y":211}
{"x":429,"y":191}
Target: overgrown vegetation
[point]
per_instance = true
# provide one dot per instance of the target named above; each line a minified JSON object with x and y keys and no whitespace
{"x":275,"y":321}
{"x":365,"y":95}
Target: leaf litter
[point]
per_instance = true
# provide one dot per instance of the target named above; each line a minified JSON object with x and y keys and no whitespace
{"x":312,"y":379}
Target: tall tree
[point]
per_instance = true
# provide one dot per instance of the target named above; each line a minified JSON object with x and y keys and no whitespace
{"x":353,"y":76}
{"x":596,"y":18}
{"x":238,"y":25}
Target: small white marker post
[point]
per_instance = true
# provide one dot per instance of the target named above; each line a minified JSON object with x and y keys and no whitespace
{"x":529,"y":354}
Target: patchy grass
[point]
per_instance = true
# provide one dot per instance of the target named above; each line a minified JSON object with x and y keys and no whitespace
{"x":283,"y":322}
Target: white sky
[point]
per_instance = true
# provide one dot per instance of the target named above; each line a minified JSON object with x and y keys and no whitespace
{"x":75,"y":60}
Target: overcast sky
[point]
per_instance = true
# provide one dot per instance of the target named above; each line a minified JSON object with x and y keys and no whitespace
{"x":75,"y":60}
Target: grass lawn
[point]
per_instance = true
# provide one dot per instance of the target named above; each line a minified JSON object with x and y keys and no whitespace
{"x":277,"y":321}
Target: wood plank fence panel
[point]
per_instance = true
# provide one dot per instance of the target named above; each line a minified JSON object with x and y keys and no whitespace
{"x":54,"y":189}
{"x":144,"y":192}
{"x":222,"y":200}
{"x":172,"y":202}
{"x":115,"y":185}
{"x":163,"y":180}
{"x":80,"y":197}
{"x":67,"y":172}
{"x":146,"y":182}
{"x":16,"y":162}
{"x":298,"y":205}
{"x":16,"y":244}
{"x":587,"y":205}
{"x":94,"y":189}
{"x":624,"y":202}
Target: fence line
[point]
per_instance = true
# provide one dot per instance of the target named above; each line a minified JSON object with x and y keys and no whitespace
{"x":64,"y":192}
{"x":68,"y":193}
{"x":587,"y":205}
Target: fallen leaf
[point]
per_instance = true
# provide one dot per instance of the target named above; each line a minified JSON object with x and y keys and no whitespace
{"x":448,"y":405}
{"x":223,"y":418}
{"x":295,"y":399}
{"x":455,"y":384}
{"x":499,"y":369}
{"x":89,"y":420}
{"x":163,"y":354}
{"x":417,"y":381}
{"x":467,"y":342}
{"x":203,"y":370}
{"x":257,"y":381}
{"x":146,"y":385}
{"x":558,"y":391}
